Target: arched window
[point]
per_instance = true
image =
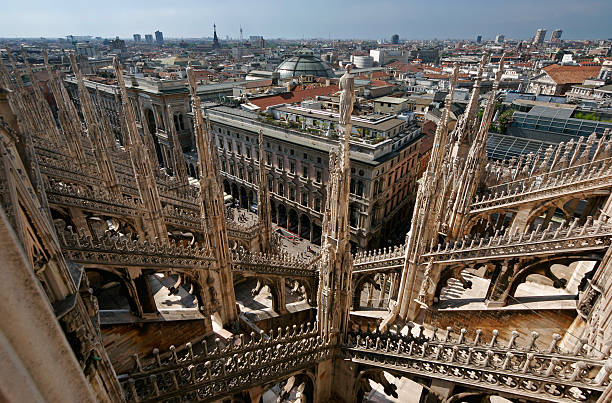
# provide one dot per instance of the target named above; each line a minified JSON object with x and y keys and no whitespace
{"x":359,"y":188}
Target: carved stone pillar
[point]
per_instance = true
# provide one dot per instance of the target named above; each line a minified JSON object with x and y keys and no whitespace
{"x":500,"y":284}
{"x":281,"y":297}
{"x":80,"y":221}
{"x":145,"y":294}
{"x":369,"y":302}
{"x":383,"y":289}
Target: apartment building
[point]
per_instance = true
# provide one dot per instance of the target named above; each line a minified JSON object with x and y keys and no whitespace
{"x":383,"y":174}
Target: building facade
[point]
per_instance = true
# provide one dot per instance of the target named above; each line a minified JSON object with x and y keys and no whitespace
{"x":383,"y":175}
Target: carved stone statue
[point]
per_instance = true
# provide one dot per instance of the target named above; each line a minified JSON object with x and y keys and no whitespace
{"x":347,"y":86}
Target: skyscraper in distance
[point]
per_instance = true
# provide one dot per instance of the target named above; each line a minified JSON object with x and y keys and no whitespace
{"x":137,"y":38}
{"x":479,"y":39}
{"x":148,"y":38}
{"x":539,"y":36}
{"x":159,"y":37}
{"x":395,"y":39}
{"x":555,"y":37}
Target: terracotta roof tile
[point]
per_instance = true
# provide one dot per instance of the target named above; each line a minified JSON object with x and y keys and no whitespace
{"x":571,"y":74}
{"x":293,"y":96}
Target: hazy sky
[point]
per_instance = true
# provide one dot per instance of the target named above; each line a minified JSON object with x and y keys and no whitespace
{"x":371,"y":19}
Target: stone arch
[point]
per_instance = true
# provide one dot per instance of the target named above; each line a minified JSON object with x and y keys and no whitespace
{"x":273,"y":211}
{"x":305,"y":226}
{"x":244,"y":200}
{"x":543,"y":267}
{"x":282,"y":215}
{"x":360,"y":188}
{"x":62,"y":218}
{"x":251,"y":197}
{"x":235,"y":193}
{"x":292,"y":223}
{"x":446,"y":274}
{"x":277,"y":290}
{"x":317,"y":233}
{"x":358,"y":288}
{"x":112,"y":289}
{"x":302,"y":384}
{"x":362,"y":386}
{"x":299,"y":289}
{"x":354,"y":215}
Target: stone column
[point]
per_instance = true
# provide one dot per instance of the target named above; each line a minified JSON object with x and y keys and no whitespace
{"x":79,"y":220}
{"x":500,"y":286}
{"x":370,"y":294}
{"x":145,"y":294}
{"x":383,"y":289}
{"x":281,"y":296}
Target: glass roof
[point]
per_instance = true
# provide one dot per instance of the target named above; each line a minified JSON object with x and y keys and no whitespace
{"x":303,"y":64}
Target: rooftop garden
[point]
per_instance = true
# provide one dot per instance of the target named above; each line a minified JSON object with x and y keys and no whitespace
{"x":591,"y":116}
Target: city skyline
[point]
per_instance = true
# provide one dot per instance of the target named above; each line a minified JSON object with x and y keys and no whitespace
{"x":290,"y":20}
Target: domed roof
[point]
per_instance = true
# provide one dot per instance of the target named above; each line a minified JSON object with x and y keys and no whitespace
{"x":304,"y":63}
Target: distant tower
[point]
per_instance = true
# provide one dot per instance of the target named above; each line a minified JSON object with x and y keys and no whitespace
{"x":215,"y":38}
{"x":499,"y":39}
{"x":240,"y":48}
{"x":137,"y":38}
{"x":159,"y":37}
{"x":148,"y":38}
{"x":395,"y":39}
{"x":539,"y":36}
{"x":479,"y":39}
{"x":555,"y":37}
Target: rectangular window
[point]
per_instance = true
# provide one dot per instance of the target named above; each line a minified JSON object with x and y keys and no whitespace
{"x":270,"y":184}
{"x":305,"y":199}
{"x":305,"y":171}
{"x":318,"y":160}
{"x":248,"y":152}
{"x":292,"y":194}
{"x":305,"y":156}
{"x":268,"y":159}
{"x":319,"y":176}
{"x":317,"y":204}
{"x":292,"y":167}
{"x":280,"y":162}
{"x":281,"y":190}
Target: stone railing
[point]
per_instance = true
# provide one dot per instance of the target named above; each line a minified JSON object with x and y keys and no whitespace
{"x":114,"y":251}
{"x":592,"y":236}
{"x":182,"y":216}
{"x":240,"y":231}
{"x":278,"y":265}
{"x":196,"y":374}
{"x":92,"y":198}
{"x":586,"y":177}
{"x":381,"y":259}
{"x":522,"y":371}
